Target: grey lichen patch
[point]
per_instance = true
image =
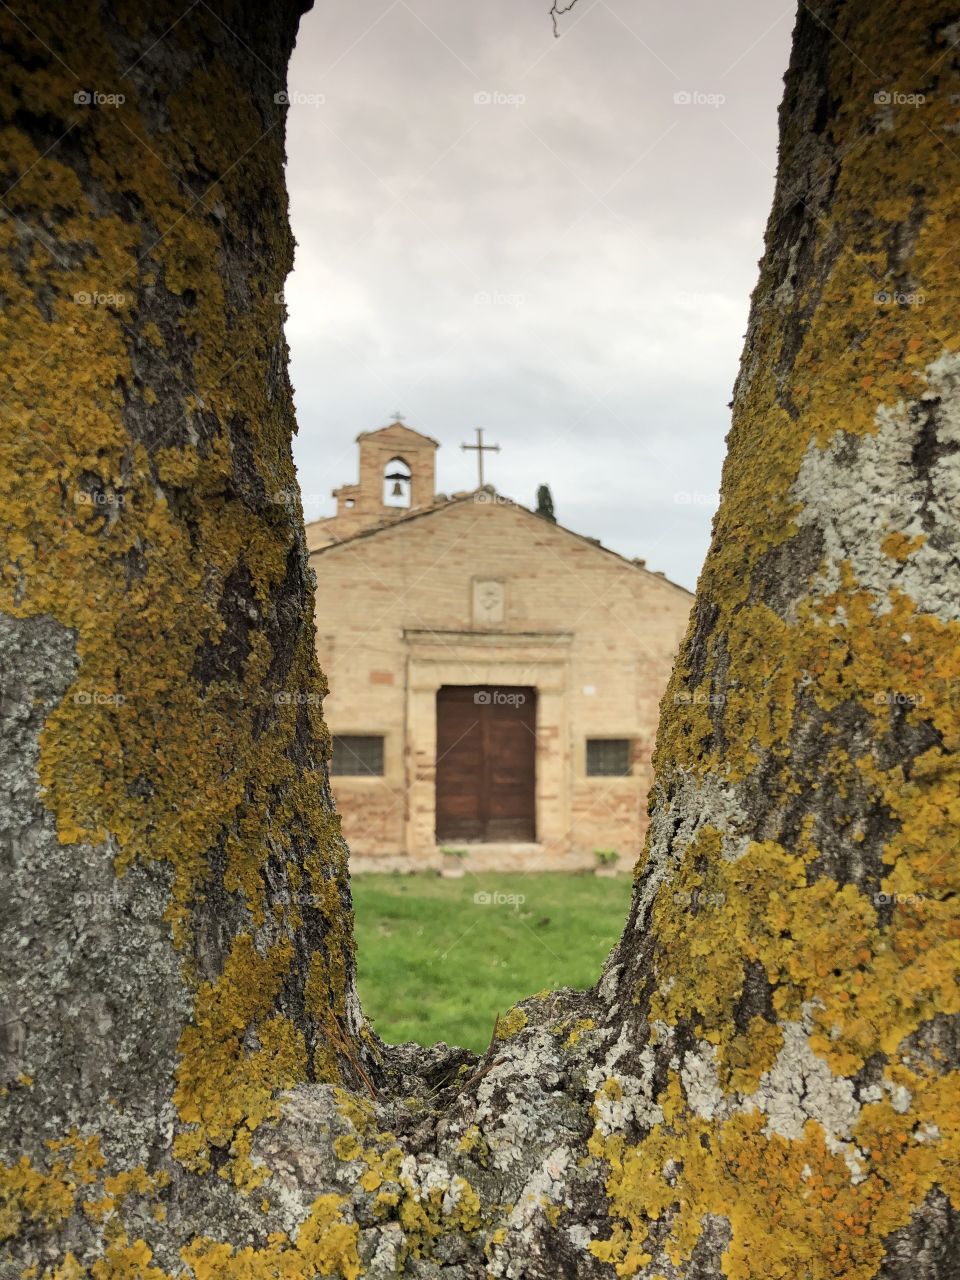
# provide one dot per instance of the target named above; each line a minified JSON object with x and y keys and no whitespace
{"x":299,"y":1152}
{"x":632,"y":1101}
{"x":902,"y":480}
{"x":85,"y":1031}
{"x":544,"y":1188}
{"x":480,"y":1174}
{"x":900,"y":1096}
{"x":693,"y":804}
{"x":799,"y":1087}
{"x":527,"y":1076}
{"x":701,"y":1083}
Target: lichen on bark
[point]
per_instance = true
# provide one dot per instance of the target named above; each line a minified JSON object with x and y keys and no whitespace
{"x":763,"y":1082}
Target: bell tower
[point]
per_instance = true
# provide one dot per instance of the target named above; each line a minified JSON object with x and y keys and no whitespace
{"x":397,"y":475}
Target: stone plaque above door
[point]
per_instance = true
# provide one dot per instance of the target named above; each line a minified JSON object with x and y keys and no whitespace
{"x":488,"y":601}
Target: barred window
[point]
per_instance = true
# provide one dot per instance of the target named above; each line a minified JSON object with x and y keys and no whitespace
{"x":357,"y":755}
{"x":608,"y":757}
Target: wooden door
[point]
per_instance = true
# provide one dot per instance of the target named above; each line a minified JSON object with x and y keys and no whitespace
{"x":486,"y":763}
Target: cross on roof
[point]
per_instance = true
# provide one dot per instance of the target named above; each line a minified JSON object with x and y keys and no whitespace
{"x":398,"y":416}
{"x":480,"y":449}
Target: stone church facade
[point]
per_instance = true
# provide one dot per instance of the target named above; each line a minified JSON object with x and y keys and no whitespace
{"x":494,"y":677}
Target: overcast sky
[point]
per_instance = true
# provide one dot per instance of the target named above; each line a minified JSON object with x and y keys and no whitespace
{"x":498,"y":228}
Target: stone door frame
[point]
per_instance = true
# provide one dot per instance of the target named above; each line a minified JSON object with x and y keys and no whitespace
{"x":535,"y":659}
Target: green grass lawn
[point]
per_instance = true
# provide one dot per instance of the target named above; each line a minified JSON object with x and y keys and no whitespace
{"x":433,"y":964}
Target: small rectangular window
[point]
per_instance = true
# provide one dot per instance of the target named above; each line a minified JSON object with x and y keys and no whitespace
{"x":608,"y":757}
{"x":357,"y":755}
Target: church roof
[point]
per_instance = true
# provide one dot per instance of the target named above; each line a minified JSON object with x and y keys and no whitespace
{"x":473,"y":495}
{"x":395,"y":429}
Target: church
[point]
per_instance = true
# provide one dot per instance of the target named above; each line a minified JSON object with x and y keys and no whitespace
{"x":494,"y":678}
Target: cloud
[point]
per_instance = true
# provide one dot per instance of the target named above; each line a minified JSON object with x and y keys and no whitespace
{"x":535,"y":236}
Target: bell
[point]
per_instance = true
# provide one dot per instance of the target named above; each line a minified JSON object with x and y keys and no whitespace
{"x":397,"y":491}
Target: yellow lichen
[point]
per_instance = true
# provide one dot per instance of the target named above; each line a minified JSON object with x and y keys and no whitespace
{"x":137,"y":519}
{"x":75,"y":1178}
{"x":577,"y":1030}
{"x":900,"y":546}
{"x":867,"y":967}
{"x":512,"y":1022}
{"x":346,"y":1147}
{"x":223,"y":1090}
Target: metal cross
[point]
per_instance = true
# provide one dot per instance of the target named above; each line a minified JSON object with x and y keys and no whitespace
{"x":480,"y":449}
{"x":398,"y":416}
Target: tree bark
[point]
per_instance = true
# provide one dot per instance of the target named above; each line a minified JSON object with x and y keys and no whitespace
{"x":763,"y":1082}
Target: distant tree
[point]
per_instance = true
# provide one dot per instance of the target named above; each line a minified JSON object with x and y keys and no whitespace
{"x":545,"y":503}
{"x":764,"y":1081}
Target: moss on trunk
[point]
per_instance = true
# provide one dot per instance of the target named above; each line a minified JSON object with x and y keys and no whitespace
{"x":763,"y":1083}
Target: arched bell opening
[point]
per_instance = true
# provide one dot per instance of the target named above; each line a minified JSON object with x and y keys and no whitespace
{"x":397,"y":480}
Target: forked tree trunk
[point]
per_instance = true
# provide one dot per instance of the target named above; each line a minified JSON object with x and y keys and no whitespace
{"x":764,"y":1082}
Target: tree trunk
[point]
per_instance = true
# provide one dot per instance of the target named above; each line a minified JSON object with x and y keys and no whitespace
{"x":763,"y":1082}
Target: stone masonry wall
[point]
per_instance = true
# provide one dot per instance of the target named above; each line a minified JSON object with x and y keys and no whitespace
{"x":594,"y":633}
